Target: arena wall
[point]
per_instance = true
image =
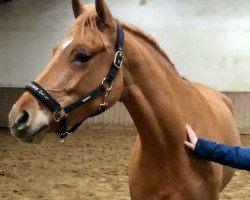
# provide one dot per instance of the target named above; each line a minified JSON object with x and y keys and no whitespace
{"x":118,"y":116}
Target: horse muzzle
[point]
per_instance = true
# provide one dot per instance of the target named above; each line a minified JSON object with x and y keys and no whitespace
{"x":27,"y":126}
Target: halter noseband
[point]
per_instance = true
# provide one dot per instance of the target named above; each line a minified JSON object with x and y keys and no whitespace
{"x":60,"y":114}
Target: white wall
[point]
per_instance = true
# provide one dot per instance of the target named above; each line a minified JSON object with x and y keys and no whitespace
{"x":208,"y":40}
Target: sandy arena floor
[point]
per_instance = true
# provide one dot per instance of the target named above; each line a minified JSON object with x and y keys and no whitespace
{"x":90,"y":165}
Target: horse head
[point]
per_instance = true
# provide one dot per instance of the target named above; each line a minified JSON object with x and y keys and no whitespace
{"x":79,"y":64}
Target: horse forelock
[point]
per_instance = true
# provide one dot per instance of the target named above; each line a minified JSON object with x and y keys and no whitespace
{"x":89,"y":20}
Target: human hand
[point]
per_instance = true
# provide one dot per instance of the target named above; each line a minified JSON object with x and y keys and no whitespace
{"x":191,"y":137}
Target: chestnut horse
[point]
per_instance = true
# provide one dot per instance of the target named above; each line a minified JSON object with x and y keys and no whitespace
{"x":159,"y":100}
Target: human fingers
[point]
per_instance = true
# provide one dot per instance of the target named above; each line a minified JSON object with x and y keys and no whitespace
{"x":191,"y":134}
{"x":189,"y":145}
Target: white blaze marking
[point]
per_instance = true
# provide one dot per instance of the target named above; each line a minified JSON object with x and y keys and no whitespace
{"x":67,"y":43}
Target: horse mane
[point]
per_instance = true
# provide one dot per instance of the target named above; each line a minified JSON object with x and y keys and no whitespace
{"x":91,"y":20}
{"x":139,"y":33}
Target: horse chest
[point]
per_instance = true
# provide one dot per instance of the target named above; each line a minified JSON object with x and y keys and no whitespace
{"x":149,"y":180}
{"x":154,"y":191}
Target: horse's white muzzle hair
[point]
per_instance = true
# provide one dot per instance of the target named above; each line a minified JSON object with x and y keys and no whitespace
{"x":28,"y":125}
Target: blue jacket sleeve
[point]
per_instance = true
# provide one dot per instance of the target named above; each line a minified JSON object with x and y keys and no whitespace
{"x":232,"y":156}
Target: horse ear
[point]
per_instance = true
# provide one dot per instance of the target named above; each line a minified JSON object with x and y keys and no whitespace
{"x":104,"y":13}
{"x":78,"y":8}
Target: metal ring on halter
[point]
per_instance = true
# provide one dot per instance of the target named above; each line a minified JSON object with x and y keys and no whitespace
{"x":108,"y":85}
{"x":58,"y":116}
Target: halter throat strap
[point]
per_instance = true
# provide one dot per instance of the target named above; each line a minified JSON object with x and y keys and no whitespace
{"x":60,"y":114}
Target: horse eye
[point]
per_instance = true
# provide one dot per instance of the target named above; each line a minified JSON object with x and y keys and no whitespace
{"x":82,"y":57}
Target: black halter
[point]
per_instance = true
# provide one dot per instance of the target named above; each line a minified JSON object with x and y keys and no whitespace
{"x":60,"y":114}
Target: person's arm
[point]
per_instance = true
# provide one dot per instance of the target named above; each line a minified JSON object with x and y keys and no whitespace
{"x":232,"y":156}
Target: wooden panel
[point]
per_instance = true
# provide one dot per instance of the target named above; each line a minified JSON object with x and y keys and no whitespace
{"x":241,"y":102}
{"x":118,"y":117}
{"x":8,"y":97}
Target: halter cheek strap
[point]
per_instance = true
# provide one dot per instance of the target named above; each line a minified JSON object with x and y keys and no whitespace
{"x":60,"y":114}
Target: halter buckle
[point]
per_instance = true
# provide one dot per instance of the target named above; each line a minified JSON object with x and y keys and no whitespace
{"x":58,"y":116}
{"x":108,"y":85}
{"x":103,"y":106}
{"x":118,"y":59}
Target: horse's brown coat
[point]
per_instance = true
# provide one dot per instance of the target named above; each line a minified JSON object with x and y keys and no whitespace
{"x":159,"y":100}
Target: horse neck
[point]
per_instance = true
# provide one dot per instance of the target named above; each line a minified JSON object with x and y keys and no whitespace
{"x":152,"y":92}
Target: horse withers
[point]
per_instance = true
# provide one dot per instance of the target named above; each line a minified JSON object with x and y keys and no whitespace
{"x":159,"y":100}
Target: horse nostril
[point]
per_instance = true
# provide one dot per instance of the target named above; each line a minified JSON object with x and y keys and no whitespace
{"x":22,"y":121}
